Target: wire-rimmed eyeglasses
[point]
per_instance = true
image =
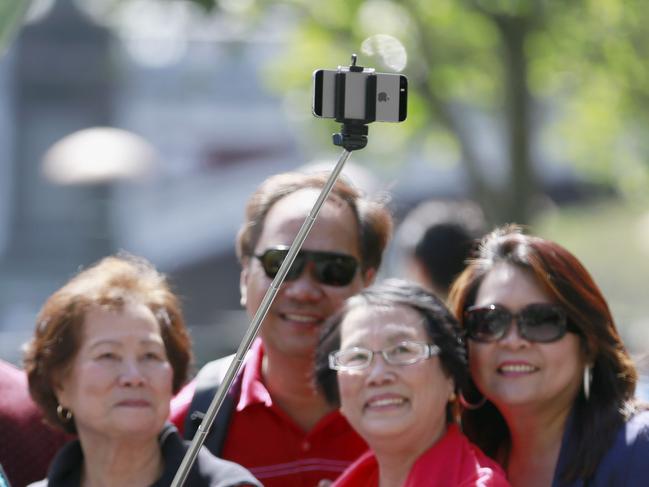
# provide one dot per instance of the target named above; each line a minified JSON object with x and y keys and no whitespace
{"x":407,"y":352}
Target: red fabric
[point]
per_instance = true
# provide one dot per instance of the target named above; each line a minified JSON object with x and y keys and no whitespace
{"x":26,"y":444}
{"x":452,"y":461}
{"x":265,"y":440}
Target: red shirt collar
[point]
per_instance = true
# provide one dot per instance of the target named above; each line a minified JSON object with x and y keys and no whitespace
{"x":253,"y":390}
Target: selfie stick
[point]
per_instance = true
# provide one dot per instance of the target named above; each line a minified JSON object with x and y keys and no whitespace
{"x":353,"y":136}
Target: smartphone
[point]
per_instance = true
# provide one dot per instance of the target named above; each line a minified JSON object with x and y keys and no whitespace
{"x":391,"y":94}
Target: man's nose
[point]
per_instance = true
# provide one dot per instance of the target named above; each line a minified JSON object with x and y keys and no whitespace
{"x":304,"y":287}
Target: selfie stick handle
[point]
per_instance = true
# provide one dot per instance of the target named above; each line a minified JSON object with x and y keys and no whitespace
{"x":253,"y":329}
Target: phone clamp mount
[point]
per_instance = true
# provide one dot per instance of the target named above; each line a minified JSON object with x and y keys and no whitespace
{"x":353,"y":132}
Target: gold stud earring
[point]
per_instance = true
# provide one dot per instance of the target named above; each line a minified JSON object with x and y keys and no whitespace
{"x":64,"y":414}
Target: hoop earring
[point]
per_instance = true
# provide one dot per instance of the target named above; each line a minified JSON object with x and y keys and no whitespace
{"x":588,"y":380}
{"x":64,"y":414}
{"x":472,"y":406}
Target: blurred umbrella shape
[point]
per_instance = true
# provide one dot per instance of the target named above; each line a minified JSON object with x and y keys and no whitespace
{"x":98,"y":155}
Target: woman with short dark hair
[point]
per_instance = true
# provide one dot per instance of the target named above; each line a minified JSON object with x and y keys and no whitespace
{"x":109,"y":350}
{"x":393,"y":361}
{"x":555,"y":385}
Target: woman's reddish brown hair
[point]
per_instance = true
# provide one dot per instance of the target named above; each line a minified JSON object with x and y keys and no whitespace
{"x":109,"y":284}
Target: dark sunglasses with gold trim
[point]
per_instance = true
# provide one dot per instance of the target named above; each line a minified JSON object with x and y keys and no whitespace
{"x":329,"y":268}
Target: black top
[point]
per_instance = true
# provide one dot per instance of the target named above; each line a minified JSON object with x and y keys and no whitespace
{"x":4,"y":481}
{"x":207,"y":471}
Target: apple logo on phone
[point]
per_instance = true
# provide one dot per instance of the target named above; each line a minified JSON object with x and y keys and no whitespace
{"x":383,"y":96}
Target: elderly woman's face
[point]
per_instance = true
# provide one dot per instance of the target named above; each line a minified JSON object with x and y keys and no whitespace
{"x":120,"y":382}
{"x":400,"y":404}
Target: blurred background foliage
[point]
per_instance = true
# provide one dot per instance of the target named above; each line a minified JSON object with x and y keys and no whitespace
{"x":11,"y":18}
{"x":544,"y":81}
{"x":557,"y":81}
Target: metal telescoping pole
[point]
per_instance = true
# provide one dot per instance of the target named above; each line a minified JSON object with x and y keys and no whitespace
{"x":253,"y":329}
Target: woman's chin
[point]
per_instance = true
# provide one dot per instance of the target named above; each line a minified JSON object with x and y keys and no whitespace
{"x":135,"y":427}
{"x":516,"y":398}
{"x":382,"y":430}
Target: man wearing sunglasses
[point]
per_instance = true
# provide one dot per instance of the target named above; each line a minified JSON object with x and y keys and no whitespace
{"x":274,"y":421}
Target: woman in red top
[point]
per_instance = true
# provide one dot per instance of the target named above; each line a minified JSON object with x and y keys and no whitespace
{"x":394,"y":361}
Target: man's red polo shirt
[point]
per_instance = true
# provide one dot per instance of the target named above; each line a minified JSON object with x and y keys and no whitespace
{"x":265,"y":440}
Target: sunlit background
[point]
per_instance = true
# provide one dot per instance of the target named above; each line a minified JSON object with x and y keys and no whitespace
{"x":143,"y":125}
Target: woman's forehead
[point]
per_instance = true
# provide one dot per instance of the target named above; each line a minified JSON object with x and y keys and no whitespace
{"x":383,"y":321}
{"x":131,"y":319}
{"x":511,"y":285}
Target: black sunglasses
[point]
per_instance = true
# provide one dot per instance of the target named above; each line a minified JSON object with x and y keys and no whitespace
{"x":330,"y":268}
{"x":537,"y":322}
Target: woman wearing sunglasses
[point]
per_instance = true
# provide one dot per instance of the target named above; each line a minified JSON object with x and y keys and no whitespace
{"x":553,"y":397}
{"x":392,"y":359}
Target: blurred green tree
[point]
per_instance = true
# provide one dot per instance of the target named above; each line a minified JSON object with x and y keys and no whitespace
{"x":553,"y":79}
{"x":11,"y":19}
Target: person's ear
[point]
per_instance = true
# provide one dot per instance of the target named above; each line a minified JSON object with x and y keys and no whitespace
{"x":453,"y":404}
{"x":589,"y":349}
{"x":451,"y":395}
{"x":58,"y":387}
{"x":416,"y":271}
{"x":369,"y":276}
{"x":243,"y":283}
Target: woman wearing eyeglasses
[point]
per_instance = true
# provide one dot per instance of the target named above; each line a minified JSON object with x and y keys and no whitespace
{"x":554,"y":401}
{"x":393,"y":361}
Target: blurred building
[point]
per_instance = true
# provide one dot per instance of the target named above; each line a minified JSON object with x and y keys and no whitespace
{"x":216,"y":132}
